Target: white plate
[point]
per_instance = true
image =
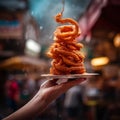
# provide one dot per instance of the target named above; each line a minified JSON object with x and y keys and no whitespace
{"x":70,"y":76}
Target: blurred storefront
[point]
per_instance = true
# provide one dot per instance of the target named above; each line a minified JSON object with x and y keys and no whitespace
{"x":17,"y":28}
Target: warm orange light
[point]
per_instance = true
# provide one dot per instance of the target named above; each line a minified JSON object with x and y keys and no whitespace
{"x":117,"y":40}
{"x":99,"y":61}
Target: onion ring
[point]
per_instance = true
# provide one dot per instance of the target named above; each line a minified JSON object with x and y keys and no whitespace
{"x":65,"y":51}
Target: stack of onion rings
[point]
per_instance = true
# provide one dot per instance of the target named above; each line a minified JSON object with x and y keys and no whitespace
{"x":65,"y":51}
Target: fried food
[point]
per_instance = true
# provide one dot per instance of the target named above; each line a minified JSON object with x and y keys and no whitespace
{"x":65,"y":51}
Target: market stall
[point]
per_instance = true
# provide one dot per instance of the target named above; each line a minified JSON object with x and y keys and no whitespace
{"x":24,"y":63}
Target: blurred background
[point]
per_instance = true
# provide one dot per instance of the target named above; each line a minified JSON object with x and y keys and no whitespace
{"x":26,"y":32}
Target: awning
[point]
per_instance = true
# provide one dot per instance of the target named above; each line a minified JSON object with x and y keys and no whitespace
{"x":24,"y":63}
{"x":89,"y":18}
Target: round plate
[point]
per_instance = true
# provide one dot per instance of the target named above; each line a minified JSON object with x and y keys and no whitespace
{"x":69,"y":76}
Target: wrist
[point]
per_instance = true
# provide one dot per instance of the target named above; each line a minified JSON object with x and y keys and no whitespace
{"x":39,"y":103}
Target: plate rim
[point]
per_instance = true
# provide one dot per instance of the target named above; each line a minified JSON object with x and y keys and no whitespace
{"x":69,"y":75}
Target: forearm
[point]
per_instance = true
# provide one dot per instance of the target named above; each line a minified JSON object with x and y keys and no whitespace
{"x":30,"y":110}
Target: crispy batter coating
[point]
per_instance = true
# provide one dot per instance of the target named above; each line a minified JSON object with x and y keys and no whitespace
{"x":65,"y":51}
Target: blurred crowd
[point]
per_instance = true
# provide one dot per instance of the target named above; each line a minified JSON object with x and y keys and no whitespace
{"x":96,"y":99}
{"x":19,"y":91}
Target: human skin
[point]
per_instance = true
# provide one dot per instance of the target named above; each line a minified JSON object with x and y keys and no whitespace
{"x":48,"y":92}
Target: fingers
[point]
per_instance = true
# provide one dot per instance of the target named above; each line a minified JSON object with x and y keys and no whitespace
{"x":49,"y":83}
{"x":72,"y":83}
{"x":67,"y":85}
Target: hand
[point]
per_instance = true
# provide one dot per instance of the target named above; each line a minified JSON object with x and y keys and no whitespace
{"x":48,"y":92}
